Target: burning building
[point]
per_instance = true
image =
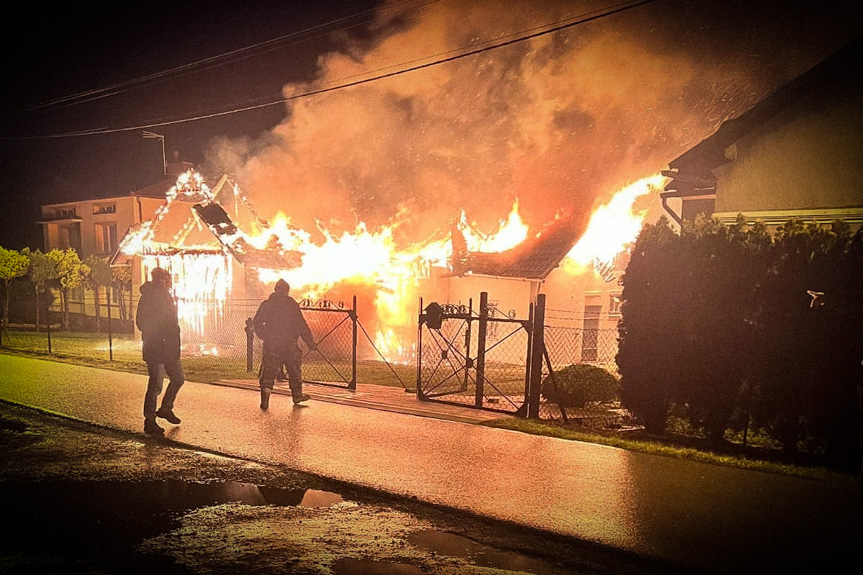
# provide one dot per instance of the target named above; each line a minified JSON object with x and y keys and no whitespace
{"x":224,"y":258}
{"x":200,"y":236}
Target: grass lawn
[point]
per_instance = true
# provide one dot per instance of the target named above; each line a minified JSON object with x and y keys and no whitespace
{"x":124,"y":354}
{"x":676,"y":445}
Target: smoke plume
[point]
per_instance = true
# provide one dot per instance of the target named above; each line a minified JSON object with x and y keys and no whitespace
{"x":559,"y":122}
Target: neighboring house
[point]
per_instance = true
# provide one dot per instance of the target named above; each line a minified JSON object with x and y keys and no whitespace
{"x":200,"y":235}
{"x":797,"y":153}
{"x":94,"y":227}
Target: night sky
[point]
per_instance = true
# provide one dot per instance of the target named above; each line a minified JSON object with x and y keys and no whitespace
{"x":474,"y":127}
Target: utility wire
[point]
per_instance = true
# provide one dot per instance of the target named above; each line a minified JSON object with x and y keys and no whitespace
{"x":533,"y":33}
{"x":223,"y":59}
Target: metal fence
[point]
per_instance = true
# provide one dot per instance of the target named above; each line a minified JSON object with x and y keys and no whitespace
{"x":481,"y":359}
{"x":566,"y":346}
{"x":220,"y":344}
{"x":476,"y":358}
{"x":569,"y":345}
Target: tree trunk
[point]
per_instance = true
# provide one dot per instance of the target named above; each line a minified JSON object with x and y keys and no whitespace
{"x":6,"y":305}
{"x":64,"y":304}
{"x":36,"y":325}
{"x":97,"y":305}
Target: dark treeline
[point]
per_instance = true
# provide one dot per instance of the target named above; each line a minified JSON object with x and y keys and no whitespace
{"x":726,"y":327}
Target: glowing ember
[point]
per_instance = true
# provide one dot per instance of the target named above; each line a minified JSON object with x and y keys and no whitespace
{"x":612,"y":227}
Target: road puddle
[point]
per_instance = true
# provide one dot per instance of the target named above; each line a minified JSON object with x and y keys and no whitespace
{"x":453,"y":545}
{"x":104,"y":515}
{"x":94,"y":520}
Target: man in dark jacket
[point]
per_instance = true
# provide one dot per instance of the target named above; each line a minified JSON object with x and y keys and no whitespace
{"x":160,"y":331}
{"x":280,"y":323}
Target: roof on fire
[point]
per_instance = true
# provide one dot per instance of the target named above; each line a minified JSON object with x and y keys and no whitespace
{"x":533,"y":259}
{"x":202,"y":221}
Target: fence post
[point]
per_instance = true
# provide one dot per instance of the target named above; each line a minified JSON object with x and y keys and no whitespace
{"x":480,"y":348}
{"x":250,"y":344}
{"x":537,"y":348}
{"x":467,"y":337}
{"x":353,"y":383}
{"x":110,"y":333}
{"x":528,"y":359}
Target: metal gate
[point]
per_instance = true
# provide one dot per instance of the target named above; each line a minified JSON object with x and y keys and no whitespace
{"x":482,"y":359}
{"x":334,"y":328}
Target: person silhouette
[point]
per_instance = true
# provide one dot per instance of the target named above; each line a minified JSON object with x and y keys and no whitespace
{"x":279,"y":322}
{"x":156,"y":318}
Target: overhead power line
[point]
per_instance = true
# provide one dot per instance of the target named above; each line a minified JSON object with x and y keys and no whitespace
{"x":308,"y":34}
{"x":457,"y":54}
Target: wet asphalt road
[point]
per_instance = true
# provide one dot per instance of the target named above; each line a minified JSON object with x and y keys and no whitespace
{"x":698,"y":515}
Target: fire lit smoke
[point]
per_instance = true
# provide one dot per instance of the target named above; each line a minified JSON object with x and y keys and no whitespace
{"x":556,"y":121}
{"x":367,"y":181}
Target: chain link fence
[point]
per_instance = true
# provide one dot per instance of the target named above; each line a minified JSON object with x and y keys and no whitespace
{"x":567,"y":346}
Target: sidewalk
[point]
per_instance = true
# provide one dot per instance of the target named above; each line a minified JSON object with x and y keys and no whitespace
{"x":379,"y":397}
{"x":695,"y":515}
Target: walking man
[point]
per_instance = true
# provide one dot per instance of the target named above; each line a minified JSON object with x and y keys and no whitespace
{"x":160,"y":331}
{"x":280,"y":323}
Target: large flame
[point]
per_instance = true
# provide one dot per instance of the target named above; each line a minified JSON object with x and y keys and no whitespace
{"x":612,"y":227}
{"x":362,"y":257}
{"x":511,"y":232}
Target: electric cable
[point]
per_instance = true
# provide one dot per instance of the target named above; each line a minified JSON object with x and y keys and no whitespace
{"x":509,"y":40}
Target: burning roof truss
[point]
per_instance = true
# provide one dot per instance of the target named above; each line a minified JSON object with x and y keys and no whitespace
{"x":204,"y":227}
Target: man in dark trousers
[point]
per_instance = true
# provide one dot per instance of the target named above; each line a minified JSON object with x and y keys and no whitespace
{"x":280,"y":323}
{"x":160,"y":331}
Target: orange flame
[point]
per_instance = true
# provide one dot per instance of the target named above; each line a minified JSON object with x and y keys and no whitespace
{"x":612,"y":227}
{"x":366,"y":257}
{"x":511,"y":232}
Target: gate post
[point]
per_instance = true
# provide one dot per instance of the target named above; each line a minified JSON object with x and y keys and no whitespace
{"x":353,"y":383}
{"x":536,"y":353}
{"x":420,"y":394}
{"x":480,"y":348}
{"x":467,"y":336}
{"x":250,"y":344}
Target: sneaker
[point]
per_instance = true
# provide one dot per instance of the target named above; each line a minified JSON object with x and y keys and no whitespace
{"x":265,"y":398}
{"x":169,"y":415}
{"x":152,"y":428}
{"x":299,"y":398}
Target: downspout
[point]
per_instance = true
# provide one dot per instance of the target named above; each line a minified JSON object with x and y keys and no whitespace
{"x":535,"y":286}
{"x":669,"y":211}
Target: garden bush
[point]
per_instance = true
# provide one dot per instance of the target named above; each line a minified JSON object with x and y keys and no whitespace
{"x":579,"y":384}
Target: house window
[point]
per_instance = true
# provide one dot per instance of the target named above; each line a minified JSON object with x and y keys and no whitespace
{"x":64,"y":213}
{"x":70,"y":237}
{"x":106,"y":238}
{"x":104,"y":208}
